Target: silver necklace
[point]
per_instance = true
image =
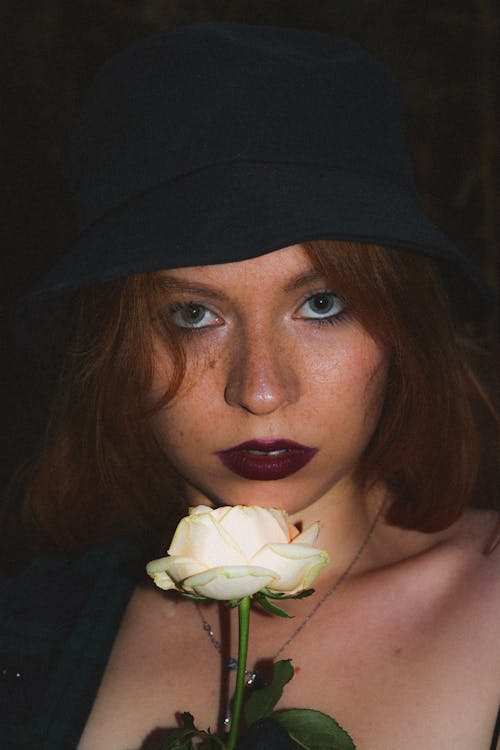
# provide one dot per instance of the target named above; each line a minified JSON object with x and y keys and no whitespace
{"x":254,"y":679}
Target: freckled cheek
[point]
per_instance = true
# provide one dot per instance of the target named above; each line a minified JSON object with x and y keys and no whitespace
{"x":194,"y":375}
{"x":326,"y":366}
{"x":183,"y":422}
{"x":176,"y":432}
{"x":349,"y":375}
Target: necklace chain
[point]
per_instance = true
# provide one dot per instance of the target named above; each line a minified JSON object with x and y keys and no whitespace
{"x":232,"y":663}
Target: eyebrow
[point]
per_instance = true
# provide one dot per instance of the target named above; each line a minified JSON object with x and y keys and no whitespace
{"x":304,"y":279}
{"x":187,"y":287}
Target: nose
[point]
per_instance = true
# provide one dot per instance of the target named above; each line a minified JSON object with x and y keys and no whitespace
{"x":261,"y":378}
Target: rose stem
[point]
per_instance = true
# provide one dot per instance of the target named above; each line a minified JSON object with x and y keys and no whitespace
{"x":243,"y":621}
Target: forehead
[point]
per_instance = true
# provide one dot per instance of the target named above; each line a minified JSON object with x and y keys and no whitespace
{"x":288,"y":267}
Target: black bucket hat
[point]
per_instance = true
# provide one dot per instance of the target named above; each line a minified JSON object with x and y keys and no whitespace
{"x":218,"y":142}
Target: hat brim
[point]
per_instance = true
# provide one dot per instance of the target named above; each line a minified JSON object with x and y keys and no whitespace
{"x":202,"y":215}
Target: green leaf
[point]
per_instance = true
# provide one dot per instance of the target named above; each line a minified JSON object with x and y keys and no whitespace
{"x":280,"y":595}
{"x":262,"y":701}
{"x":271,"y":608}
{"x":194,"y":597}
{"x":187,"y":720}
{"x":302,"y":594}
{"x":271,"y":594}
{"x":212,"y":741}
{"x":181,"y":738}
{"x":232,"y":603}
{"x":313,"y":730}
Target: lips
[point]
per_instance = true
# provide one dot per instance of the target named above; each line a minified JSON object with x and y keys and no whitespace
{"x":266,"y":460}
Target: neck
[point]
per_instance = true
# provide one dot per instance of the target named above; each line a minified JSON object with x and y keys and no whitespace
{"x":346,"y":521}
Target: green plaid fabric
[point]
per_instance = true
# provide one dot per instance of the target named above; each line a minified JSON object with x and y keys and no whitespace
{"x":58,"y":622}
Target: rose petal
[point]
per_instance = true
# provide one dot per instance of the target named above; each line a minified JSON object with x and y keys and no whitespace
{"x":156,"y":569}
{"x":177,"y":568}
{"x":163,"y":581}
{"x":281,"y":517}
{"x":308,"y":536}
{"x":296,"y":565}
{"x":201,"y":538}
{"x":197,"y":510}
{"x":220,"y":513}
{"x":252,"y":528}
{"x":210,"y":550}
{"x":230,"y":582}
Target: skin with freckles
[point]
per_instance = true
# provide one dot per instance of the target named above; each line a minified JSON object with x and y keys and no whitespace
{"x":277,"y":356}
{"x":404,"y":654}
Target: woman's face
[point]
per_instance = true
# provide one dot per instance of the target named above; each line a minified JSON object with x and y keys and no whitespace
{"x":283,"y":387}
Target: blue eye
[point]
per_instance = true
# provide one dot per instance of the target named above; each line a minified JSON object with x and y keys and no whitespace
{"x":193,"y":315}
{"x":321,"y":306}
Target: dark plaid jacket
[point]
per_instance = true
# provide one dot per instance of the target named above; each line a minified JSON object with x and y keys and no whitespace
{"x":58,"y":622}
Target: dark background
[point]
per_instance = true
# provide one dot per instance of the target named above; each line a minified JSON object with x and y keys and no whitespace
{"x":445,"y":53}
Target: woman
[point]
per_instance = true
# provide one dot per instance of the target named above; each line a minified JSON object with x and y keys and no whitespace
{"x":261,"y":318}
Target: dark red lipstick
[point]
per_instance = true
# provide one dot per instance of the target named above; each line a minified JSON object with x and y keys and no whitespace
{"x":266,"y":460}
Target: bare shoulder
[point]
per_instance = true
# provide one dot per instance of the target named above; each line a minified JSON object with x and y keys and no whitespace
{"x":475,"y":544}
{"x":460,"y":568}
{"x":478,"y":533}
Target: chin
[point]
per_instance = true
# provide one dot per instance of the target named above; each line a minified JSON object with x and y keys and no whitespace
{"x":281,"y":494}
{"x":293,"y":494}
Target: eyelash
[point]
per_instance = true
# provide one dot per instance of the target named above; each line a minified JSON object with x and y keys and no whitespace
{"x":334,"y":319}
{"x":183,"y":306}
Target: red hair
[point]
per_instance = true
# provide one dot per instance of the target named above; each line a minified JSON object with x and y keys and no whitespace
{"x":101,"y":470}
{"x":427,"y":444}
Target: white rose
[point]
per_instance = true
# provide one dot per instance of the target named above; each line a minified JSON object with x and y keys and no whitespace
{"x":234,"y":551}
